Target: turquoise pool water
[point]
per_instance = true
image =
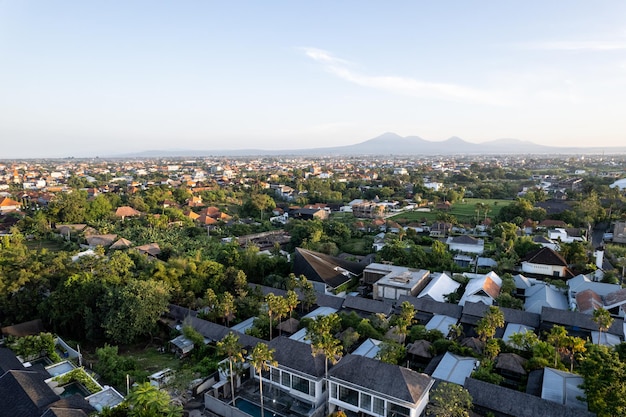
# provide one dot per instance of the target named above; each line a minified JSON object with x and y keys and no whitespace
{"x":74,"y":388}
{"x":252,"y":409}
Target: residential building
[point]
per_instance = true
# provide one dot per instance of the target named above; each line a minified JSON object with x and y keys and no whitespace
{"x":394,"y":391}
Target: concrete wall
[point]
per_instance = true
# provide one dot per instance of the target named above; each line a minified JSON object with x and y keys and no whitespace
{"x":221,"y":409}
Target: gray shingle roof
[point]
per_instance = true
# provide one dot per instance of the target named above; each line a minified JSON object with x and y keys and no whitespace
{"x":24,"y":394}
{"x":391,"y":380}
{"x":8,"y":361}
{"x":515,"y":403}
{"x":575,"y":319}
{"x":477,"y":310}
{"x":297,"y":356}
{"x":367,"y":305}
{"x":433,"y":307}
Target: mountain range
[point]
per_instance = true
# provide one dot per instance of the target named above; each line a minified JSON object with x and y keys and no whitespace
{"x":393,"y":144}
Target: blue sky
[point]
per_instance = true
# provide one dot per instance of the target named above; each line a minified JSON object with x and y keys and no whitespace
{"x":100,"y":77}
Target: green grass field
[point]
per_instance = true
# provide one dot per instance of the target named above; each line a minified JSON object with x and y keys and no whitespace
{"x":464,"y":211}
{"x":51,"y":245}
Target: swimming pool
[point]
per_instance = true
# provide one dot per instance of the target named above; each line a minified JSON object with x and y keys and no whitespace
{"x":74,"y":388}
{"x":253,"y":409}
{"x":60,"y":368}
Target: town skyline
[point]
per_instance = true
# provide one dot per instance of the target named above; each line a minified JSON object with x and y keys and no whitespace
{"x":102,"y":79}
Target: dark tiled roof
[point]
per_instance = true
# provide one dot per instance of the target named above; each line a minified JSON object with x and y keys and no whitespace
{"x":505,"y":401}
{"x":63,"y":412}
{"x":367,"y":305}
{"x":324,"y":268}
{"x":434,"y":307}
{"x":24,"y":394}
{"x":392,"y":380}
{"x":208,"y":329}
{"x":8,"y":361}
{"x":568,"y":318}
{"x":511,"y":362}
{"x":478,"y":310}
{"x":180,"y":313}
{"x":466,"y":240}
{"x":297,"y":356}
{"x":73,"y":402}
{"x":544,"y":256}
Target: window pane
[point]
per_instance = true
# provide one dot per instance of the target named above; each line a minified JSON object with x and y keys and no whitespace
{"x":275,"y":373}
{"x":396,"y":410}
{"x":300,"y":384}
{"x":312,"y":388}
{"x":379,"y":406}
{"x":333,"y":390}
{"x":286,"y":379}
{"x":366,"y":402}
{"x":348,"y":395}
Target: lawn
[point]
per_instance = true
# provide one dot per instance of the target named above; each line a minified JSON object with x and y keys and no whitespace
{"x":151,"y":360}
{"x":464,"y":211}
{"x":51,"y":245}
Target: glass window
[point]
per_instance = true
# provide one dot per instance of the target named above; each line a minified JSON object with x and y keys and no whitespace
{"x":396,"y":410}
{"x":275,"y":373}
{"x":333,"y":390}
{"x":300,"y":384}
{"x":366,"y":402}
{"x":379,"y":406}
{"x":348,"y":395}
{"x":312,"y":389}
{"x":287,"y":379}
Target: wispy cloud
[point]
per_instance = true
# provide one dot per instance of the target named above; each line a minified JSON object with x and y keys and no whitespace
{"x":577,"y":45}
{"x":402,"y":85}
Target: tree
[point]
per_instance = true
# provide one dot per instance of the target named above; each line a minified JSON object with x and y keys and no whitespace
{"x":262,"y":202}
{"x":292,"y":301}
{"x":146,"y":400}
{"x":559,"y":340}
{"x":112,"y":367}
{"x":233,"y":350}
{"x":227,"y":307}
{"x":273,"y":306}
{"x":391,"y":352}
{"x":575,"y":345}
{"x":320,"y":333}
{"x":261,"y":358}
{"x":405,"y":318}
{"x":133,"y":310}
{"x":604,"y":381}
{"x":308,"y":292}
{"x":603,"y":320}
{"x":486,"y":326}
{"x":449,"y":400}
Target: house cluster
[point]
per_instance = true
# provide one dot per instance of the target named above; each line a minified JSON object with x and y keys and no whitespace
{"x":298,"y":384}
{"x":39,"y":387}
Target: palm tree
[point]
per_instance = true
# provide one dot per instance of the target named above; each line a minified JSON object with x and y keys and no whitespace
{"x":486,"y":326}
{"x":228,"y":307}
{"x":272,"y":301}
{"x":292,"y":301}
{"x":323,"y":342}
{"x":146,"y":400}
{"x":405,"y":318}
{"x":262,"y":357}
{"x":233,"y":350}
{"x":603,"y":319}
{"x":559,"y":339}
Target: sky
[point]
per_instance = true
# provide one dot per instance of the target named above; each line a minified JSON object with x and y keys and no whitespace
{"x":86,"y":78}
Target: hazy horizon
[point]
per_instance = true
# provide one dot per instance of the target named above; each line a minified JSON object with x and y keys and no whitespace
{"x":102,"y":78}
